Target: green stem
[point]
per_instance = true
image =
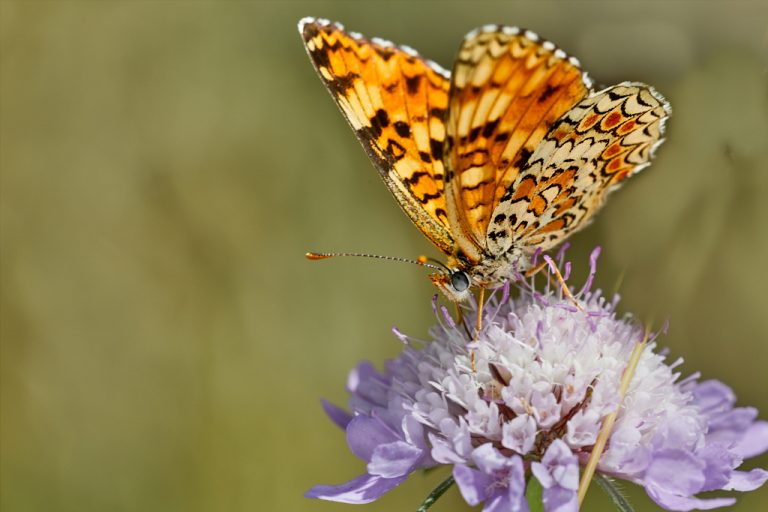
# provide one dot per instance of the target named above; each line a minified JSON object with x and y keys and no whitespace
{"x":435,"y":494}
{"x":534,"y":494}
{"x":610,"y":488}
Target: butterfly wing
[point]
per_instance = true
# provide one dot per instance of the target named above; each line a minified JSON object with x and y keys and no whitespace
{"x":395,"y":102}
{"x":599,"y":143}
{"x":508,"y":88}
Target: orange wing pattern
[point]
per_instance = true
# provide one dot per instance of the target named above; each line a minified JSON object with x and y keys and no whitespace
{"x":396,"y":102}
{"x":600,"y":142}
{"x":508,"y":89}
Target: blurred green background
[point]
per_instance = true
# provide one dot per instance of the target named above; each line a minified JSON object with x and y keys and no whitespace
{"x":166,"y":164}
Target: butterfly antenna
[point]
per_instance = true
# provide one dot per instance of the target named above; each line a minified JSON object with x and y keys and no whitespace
{"x":424,"y":259}
{"x":421,"y":261}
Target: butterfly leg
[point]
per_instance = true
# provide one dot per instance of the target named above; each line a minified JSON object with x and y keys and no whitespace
{"x":480,"y":300}
{"x":459,"y":314}
{"x":479,"y":322}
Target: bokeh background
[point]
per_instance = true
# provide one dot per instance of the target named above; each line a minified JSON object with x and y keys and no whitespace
{"x":166,"y":164}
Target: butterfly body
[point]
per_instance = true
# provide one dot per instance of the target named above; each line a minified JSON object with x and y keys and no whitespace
{"x":508,"y":154}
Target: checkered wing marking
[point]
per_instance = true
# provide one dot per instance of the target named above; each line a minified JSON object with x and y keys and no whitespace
{"x":602,"y":141}
{"x":508,"y":88}
{"x":396,"y":103}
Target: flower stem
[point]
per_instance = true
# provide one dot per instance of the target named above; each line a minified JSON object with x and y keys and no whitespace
{"x":534,"y":494}
{"x":611,"y":490}
{"x":435,"y":494}
{"x":605,"y":430}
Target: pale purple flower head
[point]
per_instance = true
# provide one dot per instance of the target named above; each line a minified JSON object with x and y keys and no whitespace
{"x":545,"y":375}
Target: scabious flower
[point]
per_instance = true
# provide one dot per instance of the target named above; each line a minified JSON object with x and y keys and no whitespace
{"x":527,"y":398}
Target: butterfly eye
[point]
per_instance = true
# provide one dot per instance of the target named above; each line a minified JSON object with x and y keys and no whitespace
{"x":459,"y":280}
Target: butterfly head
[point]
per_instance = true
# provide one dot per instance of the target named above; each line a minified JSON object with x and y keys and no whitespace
{"x":454,"y":283}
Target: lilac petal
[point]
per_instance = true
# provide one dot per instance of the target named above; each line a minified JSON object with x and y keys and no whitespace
{"x":558,"y":473}
{"x":337,"y":415}
{"x":671,"y":501}
{"x":714,"y":397}
{"x":497,"y":502}
{"x":676,"y":471}
{"x":519,"y":434}
{"x":753,"y":442}
{"x":516,"y":485}
{"x":735,"y":421}
{"x":542,"y":475}
{"x":502,"y":502}
{"x":472,"y":484}
{"x":414,"y":432}
{"x":562,"y":464}
{"x":394,"y":459}
{"x":746,"y":480}
{"x":719,"y":466}
{"x":560,"y":499}
{"x":364,"y":434}
{"x":488,"y":459}
{"x":365,"y":383}
{"x":442,"y":451}
{"x":363,"y":489}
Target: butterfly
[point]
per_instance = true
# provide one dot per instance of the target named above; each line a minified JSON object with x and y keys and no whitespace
{"x":508,"y":154}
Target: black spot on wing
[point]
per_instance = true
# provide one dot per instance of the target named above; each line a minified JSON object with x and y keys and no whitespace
{"x":415,"y":177}
{"x":402,"y":128}
{"x":548,"y":92}
{"x":436,"y":147}
{"x":394,"y":150}
{"x":489,"y":128}
{"x":341,"y":84}
{"x":412,"y":84}
{"x":522,"y":158}
{"x":474,"y":133}
{"x":437,"y":112}
{"x":382,"y":117}
{"x":428,"y":197}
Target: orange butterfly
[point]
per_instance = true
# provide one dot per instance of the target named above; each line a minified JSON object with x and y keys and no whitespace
{"x":510,"y":153}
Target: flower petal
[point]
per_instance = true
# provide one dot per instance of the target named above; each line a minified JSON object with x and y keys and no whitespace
{"x":337,"y":415}
{"x":519,"y":434}
{"x":670,"y":501}
{"x":753,"y":442}
{"x":676,"y":472}
{"x":562,"y":464}
{"x":719,"y":466}
{"x":516,"y":485}
{"x":365,"y":433}
{"x":488,"y":459}
{"x":472,"y":484}
{"x":502,"y":502}
{"x":363,"y":489}
{"x":414,"y":432}
{"x":714,"y":397}
{"x":443,"y":452}
{"x":558,"y":473}
{"x":560,"y":499}
{"x":367,"y":386}
{"x":746,"y":480}
{"x":394,"y":459}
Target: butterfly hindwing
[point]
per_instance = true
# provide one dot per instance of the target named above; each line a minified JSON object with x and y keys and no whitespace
{"x":508,"y":88}
{"x":396,"y":102}
{"x":601,"y":141}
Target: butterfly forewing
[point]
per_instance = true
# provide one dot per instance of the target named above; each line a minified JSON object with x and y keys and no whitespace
{"x":600,"y":142}
{"x":508,"y":88}
{"x":396,"y":102}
